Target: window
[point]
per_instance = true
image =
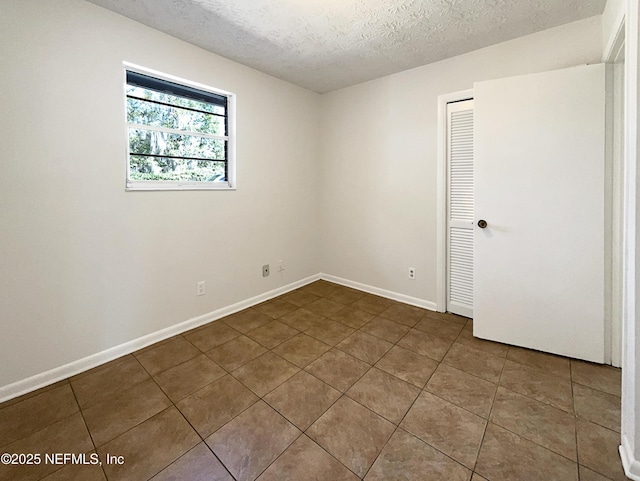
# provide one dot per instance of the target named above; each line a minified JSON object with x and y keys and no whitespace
{"x":180,"y":134}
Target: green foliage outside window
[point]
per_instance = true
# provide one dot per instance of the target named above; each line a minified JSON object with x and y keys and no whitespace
{"x":177,"y":157}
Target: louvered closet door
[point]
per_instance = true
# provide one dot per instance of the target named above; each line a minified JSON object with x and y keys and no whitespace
{"x":460,"y":208}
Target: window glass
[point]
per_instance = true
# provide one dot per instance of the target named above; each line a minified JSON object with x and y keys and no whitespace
{"x":178,"y":135}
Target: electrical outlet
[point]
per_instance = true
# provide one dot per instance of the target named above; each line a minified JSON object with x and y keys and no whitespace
{"x":280,"y":266}
{"x":265,"y":270}
{"x":200,"y":288}
{"x":412,"y":273}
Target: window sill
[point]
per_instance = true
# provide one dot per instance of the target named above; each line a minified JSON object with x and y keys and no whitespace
{"x":155,"y":186}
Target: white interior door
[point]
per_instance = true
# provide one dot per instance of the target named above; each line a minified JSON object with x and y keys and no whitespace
{"x":460,"y":208}
{"x":539,"y":184}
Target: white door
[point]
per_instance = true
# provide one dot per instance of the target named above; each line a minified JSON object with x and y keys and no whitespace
{"x":460,"y":208}
{"x":539,"y":184}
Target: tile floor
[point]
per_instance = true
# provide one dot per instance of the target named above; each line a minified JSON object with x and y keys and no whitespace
{"x":326,"y":383}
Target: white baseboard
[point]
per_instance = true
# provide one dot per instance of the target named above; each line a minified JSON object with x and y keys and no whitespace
{"x":414,"y":301}
{"x":629,"y":463}
{"x":46,"y":378}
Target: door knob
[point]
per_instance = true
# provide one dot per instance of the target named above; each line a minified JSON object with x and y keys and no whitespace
{"x":482,"y":223}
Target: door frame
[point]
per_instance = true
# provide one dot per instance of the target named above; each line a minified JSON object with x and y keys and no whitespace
{"x":615,"y":196}
{"x":442,"y":195}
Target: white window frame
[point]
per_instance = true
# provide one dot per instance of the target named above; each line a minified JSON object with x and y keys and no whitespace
{"x":154,"y":185}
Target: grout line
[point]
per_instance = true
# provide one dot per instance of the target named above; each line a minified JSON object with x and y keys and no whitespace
{"x":583,"y":419}
{"x":461,"y":407}
{"x":95,"y":448}
{"x":354,"y":382}
{"x":224,"y":466}
{"x":470,"y":373}
{"x":493,"y":401}
{"x":575,"y":425}
{"x":546,"y":403}
{"x":396,"y":427}
{"x":241,"y":365}
{"x":331,"y":455}
{"x":4,"y":446}
{"x":596,"y":389}
{"x":188,"y":450}
{"x":211,"y":324}
{"x":535,"y":443}
{"x":283,"y":451}
{"x":33,"y":394}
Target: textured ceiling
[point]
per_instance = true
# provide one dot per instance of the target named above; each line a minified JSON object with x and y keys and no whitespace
{"x":325,"y":45}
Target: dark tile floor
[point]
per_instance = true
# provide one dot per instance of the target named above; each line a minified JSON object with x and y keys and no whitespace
{"x":326,"y":383}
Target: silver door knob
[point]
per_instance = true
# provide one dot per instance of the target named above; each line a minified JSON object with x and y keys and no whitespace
{"x":482,"y":223}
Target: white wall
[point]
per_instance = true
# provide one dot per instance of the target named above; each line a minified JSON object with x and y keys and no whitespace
{"x":379,"y":156}
{"x":84,"y":265}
